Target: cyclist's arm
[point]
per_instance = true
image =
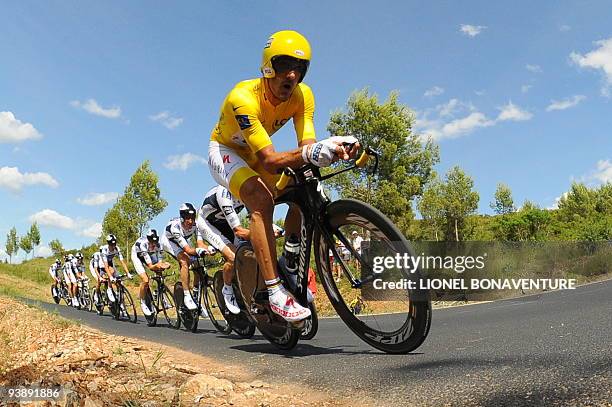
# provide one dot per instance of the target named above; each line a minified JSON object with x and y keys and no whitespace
{"x":226,"y":203}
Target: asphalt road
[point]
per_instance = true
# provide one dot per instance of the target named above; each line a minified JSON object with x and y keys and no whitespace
{"x":544,"y":350}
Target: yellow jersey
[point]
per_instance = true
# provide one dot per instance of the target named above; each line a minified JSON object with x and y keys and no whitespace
{"x":248,"y":119}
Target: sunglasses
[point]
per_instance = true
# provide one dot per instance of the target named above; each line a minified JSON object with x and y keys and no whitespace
{"x":286,"y":63}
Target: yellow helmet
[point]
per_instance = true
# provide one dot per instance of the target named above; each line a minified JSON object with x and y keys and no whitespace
{"x":289,"y":43}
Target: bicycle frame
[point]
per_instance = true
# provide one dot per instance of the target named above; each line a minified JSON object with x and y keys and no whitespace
{"x":312,"y":202}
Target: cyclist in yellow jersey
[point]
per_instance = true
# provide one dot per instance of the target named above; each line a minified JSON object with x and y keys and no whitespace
{"x":242,"y":158}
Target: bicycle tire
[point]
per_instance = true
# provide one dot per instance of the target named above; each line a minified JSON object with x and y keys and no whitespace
{"x":165,"y":294}
{"x":239,"y":323}
{"x":311,"y":326}
{"x":151,"y":319}
{"x":411,"y":334}
{"x":279,"y":333}
{"x":128,"y":304}
{"x":213,"y":305}
{"x":56,"y":298}
{"x":184,"y":315}
{"x":99,"y":305}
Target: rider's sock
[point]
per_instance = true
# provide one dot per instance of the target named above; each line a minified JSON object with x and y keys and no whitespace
{"x":274,"y":286}
{"x":228,"y":289}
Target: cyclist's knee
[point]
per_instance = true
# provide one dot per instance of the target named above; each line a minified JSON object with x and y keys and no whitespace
{"x":256,"y":195}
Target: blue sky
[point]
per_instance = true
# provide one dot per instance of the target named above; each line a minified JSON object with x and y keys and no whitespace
{"x":516,"y":92}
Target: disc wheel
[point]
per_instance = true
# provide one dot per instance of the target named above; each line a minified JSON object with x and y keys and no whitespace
{"x":273,"y":327}
{"x":311,"y":324}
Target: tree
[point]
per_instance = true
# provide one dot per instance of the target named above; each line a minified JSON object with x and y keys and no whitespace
{"x":504,"y":203}
{"x":139,"y":204}
{"x":34,"y":235}
{"x":25,"y":244}
{"x":56,"y":247}
{"x":12,"y":243}
{"x":578,"y":203}
{"x":431,"y":207}
{"x":406,"y":165}
{"x":459,"y":201}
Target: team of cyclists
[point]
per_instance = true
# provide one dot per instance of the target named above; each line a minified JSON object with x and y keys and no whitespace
{"x":245,"y":166}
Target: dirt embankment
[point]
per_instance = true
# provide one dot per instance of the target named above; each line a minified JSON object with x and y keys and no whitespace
{"x":97,"y":369}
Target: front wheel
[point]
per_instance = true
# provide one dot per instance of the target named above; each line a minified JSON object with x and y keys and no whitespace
{"x":169,"y":309}
{"x":151,"y":319}
{"x":395,"y":322}
{"x":126,"y":309}
{"x":215,"y":305}
{"x":55,"y":294}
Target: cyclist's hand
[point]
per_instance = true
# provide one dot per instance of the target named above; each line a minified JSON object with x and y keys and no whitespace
{"x":201,"y":252}
{"x":130,"y":275}
{"x":165,"y":265}
{"x":325,"y":152}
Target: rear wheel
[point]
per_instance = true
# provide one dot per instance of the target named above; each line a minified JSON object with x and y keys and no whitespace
{"x":238,"y":323}
{"x":254,"y":294}
{"x":394,"y":322}
{"x":189,"y":318}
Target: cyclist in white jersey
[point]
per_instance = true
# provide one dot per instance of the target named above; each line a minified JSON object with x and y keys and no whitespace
{"x":219,"y":225}
{"x":147,"y":252}
{"x":70,"y":278}
{"x":54,"y":271}
{"x":106,"y":265}
{"x":174,"y":240}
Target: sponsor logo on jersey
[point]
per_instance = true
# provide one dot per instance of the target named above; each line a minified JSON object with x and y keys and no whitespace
{"x":227,"y":210}
{"x":226,"y":159}
{"x":243,"y":121}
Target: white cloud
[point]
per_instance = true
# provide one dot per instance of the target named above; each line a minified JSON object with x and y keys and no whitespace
{"x":565,"y":103}
{"x":564,"y":28}
{"x":435,"y":91}
{"x":91,"y":106}
{"x":13,"y":130}
{"x":167,"y":119}
{"x":49,"y":217}
{"x":514,"y":113}
{"x":600,"y":58}
{"x":98,"y":198}
{"x":53,"y":219}
{"x":12,"y":179}
{"x":603,"y":173}
{"x":183,"y":161}
{"x":471,"y":30}
{"x":455,"y":118}
{"x":465,"y":125}
{"x":525,"y":88}
{"x":94,"y":231}
{"x":533,"y":68}
{"x":43,"y":251}
{"x":479,"y":92}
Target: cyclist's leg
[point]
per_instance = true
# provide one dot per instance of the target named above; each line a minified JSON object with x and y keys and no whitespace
{"x":232,"y":172}
{"x":220,"y":240}
{"x":259,"y":200}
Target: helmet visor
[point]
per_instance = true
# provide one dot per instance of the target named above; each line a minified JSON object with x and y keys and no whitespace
{"x":285,"y":63}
